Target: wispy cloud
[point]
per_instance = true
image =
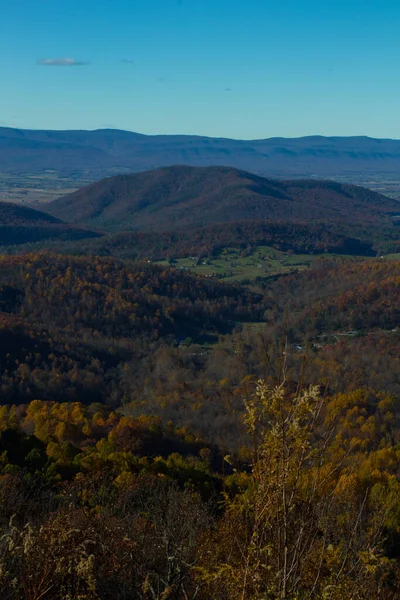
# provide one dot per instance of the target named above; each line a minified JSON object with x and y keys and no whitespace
{"x":60,"y":62}
{"x":127,"y":61}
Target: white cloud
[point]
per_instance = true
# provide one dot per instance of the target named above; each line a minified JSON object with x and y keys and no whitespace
{"x":60,"y":62}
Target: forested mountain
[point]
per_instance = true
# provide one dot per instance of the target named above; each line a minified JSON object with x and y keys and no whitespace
{"x":178,"y":197}
{"x":21,"y":224}
{"x":109,"y":151}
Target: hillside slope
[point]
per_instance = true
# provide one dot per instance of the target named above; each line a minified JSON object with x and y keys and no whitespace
{"x":103,"y":152}
{"x":71,"y":321}
{"x":177,"y":197}
{"x":21,"y":224}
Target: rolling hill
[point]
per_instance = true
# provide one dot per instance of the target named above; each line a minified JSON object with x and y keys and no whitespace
{"x":20,"y":225}
{"x":181,"y":197}
{"x":105,"y":152}
{"x":212,"y":241}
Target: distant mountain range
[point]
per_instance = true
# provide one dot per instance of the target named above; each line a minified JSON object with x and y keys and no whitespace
{"x":187,"y":197}
{"x":104,"y":152}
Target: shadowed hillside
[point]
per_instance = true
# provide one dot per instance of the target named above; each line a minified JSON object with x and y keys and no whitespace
{"x":211,"y":240}
{"x":20,"y":225}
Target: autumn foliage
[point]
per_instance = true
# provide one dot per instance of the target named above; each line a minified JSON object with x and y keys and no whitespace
{"x":163,"y":436}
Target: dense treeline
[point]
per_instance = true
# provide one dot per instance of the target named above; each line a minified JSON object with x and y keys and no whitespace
{"x":209,"y":241}
{"x":119,"y":300}
{"x":15,"y":237}
{"x":301,"y":238}
{"x":339,"y":295}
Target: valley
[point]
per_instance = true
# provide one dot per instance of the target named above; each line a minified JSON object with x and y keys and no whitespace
{"x":36,"y":189}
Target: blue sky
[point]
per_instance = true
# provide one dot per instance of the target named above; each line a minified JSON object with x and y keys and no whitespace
{"x":231,"y":68}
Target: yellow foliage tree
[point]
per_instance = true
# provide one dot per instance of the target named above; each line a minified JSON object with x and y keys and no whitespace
{"x":307,"y":525}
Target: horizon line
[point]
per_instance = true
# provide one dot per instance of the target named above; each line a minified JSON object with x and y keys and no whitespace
{"x":215,"y":137}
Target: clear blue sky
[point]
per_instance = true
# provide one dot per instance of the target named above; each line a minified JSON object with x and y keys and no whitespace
{"x":231,"y":68}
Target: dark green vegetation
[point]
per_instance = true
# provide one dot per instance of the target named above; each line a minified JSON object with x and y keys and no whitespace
{"x":178,"y":197}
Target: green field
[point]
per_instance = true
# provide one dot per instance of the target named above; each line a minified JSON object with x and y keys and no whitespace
{"x":262,"y":262}
{"x":393,"y":256}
